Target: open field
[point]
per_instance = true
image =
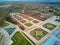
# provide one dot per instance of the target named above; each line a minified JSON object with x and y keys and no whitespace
{"x":21,"y":40}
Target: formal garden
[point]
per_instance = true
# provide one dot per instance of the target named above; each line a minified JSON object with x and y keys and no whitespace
{"x":49,"y":26}
{"x":38,"y":33}
{"x":28,"y":22}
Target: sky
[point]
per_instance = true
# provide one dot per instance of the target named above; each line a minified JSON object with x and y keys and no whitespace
{"x":34,"y":0}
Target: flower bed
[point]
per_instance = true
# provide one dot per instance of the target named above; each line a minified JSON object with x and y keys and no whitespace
{"x":23,"y":21}
{"x":28,"y":24}
{"x":49,"y":26}
{"x":38,"y":33}
{"x":35,"y":21}
{"x":29,"y":18}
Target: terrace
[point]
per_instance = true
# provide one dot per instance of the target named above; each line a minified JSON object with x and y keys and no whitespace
{"x":34,"y":29}
{"x":26,"y":22}
{"x":37,"y":34}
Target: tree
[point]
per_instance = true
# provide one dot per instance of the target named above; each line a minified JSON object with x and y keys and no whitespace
{"x":57,"y":13}
{"x":4,"y":12}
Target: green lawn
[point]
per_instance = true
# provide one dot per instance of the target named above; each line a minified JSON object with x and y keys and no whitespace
{"x":1,"y":36}
{"x":49,"y":26}
{"x":28,"y":24}
{"x":30,"y":19}
{"x":35,"y":21}
{"x":57,"y":20}
{"x":4,"y":24}
{"x":19,"y":39}
{"x":38,"y":33}
{"x":23,"y":21}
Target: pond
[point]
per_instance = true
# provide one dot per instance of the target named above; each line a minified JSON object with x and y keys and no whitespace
{"x":10,"y":30}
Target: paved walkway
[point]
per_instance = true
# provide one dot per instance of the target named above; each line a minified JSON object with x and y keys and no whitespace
{"x":6,"y":38}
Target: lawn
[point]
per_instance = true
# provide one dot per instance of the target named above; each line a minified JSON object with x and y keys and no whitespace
{"x":38,"y":33}
{"x":4,"y":24}
{"x":49,"y":26}
{"x":35,"y":21}
{"x":1,"y":36}
{"x":30,"y":19}
{"x":23,"y":21}
{"x":57,"y":20}
{"x":28,"y":24}
{"x":19,"y":39}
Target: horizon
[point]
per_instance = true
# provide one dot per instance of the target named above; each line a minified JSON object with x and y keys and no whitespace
{"x":32,"y":0}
